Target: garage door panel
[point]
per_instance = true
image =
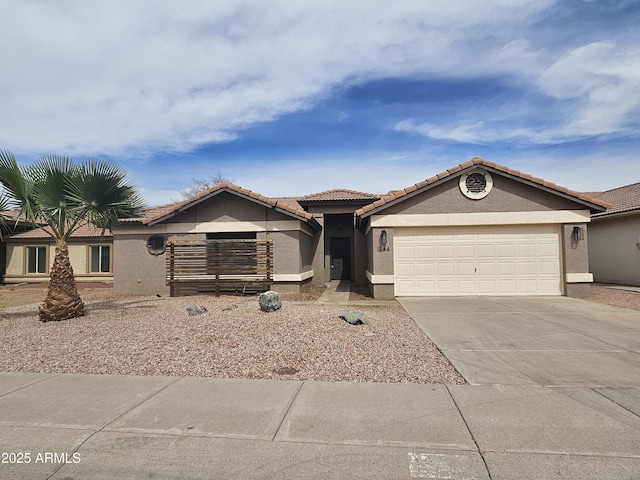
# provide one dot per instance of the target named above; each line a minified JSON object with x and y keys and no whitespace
{"x":487,"y":287}
{"x":426,"y":269}
{"x":507,"y":286}
{"x":427,"y":286}
{"x":526,"y":250}
{"x":467,"y":287}
{"x":547,"y":250}
{"x":486,"y":251}
{"x":425,"y":251}
{"x":446,"y":287}
{"x":465,"y":251}
{"x":446,"y":268}
{"x":506,"y":268}
{"x":527,"y":268}
{"x":485,"y":268}
{"x":548,"y":287}
{"x":405,"y":252}
{"x":505,"y":251}
{"x":547,"y":268}
{"x":483,"y":260}
{"x":528,"y":286}
{"x":444,"y":252}
{"x":405,"y":269}
{"x":466,"y":268}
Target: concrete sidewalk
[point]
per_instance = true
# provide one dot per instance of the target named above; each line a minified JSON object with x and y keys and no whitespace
{"x":170,"y":427}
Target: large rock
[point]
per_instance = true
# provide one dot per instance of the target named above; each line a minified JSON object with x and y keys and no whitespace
{"x":269,"y":301}
{"x":354,"y":317}
{"x":196,"y":310}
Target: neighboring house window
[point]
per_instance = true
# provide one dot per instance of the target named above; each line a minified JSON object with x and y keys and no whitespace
{"x":99,"y":258}
{"x":36,"y":259}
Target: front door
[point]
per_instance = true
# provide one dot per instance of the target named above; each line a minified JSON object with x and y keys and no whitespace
{"x":340,"y":252}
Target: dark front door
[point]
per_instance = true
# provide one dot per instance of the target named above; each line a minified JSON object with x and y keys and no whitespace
{"x":340,"y":252}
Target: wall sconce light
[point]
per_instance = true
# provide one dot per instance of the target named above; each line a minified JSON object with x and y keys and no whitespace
{"x":578,"y":234}
{"x":383,"y":241}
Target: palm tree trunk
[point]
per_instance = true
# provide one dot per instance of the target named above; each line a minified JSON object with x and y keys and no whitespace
{"x":62,"y":301}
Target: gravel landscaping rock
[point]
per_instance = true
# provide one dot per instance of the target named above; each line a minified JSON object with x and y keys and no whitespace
{"x":129,"y":335}
{"x":354,"y":317}
{"x":196,"y":310}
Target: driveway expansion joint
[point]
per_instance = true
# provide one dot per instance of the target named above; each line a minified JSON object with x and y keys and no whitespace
{"x":475,"y":442}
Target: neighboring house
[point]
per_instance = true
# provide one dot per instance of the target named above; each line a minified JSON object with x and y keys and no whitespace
{"x":13,"y":225}
{"x":476,"y":229}
{"x":614,"y":237}
{"x":30,"y":253}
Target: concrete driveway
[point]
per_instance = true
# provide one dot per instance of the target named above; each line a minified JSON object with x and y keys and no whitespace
{"x":549,"y":341}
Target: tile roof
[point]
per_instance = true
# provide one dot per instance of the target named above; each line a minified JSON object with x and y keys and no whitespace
{"x":391,"y":196}
{"x":338,"y":194}
{"x":84,"y":231}
{"x":622,"y":199}
{"x":158,"y":213}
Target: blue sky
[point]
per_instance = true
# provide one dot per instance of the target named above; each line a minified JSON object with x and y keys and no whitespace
{"x":294,"y":97}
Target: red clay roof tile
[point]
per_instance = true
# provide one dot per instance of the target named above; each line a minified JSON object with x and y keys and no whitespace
{"x":621,"y":200}
{"x":338,"y":194}
{"x":493,"y":165}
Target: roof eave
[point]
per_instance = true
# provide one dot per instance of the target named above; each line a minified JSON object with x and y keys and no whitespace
{"x":440,"y":179}
{"x":623,"y":213}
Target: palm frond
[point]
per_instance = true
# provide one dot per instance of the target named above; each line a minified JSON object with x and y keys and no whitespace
{"x":102,"y":194}
{"x":50,"y":175}
{"x":18,"y":187}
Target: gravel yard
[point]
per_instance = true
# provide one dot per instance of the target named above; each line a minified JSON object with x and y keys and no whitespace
{"x":155,"y":336}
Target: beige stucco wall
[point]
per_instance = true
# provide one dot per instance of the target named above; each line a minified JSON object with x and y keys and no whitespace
{"x":78,"y":255}
{"x":614,"y":256}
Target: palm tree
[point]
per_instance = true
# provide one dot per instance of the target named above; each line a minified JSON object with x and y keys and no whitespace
{"x":64,"y":195}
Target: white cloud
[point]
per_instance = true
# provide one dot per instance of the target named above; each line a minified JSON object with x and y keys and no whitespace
{"x":112,"y":77}
{"x":598,"y":91}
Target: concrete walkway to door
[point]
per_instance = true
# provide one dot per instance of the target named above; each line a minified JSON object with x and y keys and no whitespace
{"x":337,"y":293}
{"x":549,"y":341}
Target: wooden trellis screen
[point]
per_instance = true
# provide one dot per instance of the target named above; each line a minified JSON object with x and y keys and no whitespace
{"x":212,"y":266}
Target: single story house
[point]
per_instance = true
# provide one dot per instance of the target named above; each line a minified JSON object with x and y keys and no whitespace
{"x":30,"y":252}
{"x":614,"y":237}
{"x":476,"y":229}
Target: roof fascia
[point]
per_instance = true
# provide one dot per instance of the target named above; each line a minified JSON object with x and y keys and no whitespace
{"x":315,"y":225}
{"x":592,"y":206}
{"x":607,"y":216}
{"x":440,"y":181}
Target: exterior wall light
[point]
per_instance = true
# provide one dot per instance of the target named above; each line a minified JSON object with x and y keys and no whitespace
{"x":578,"y":234}
{"x":383,"y":241}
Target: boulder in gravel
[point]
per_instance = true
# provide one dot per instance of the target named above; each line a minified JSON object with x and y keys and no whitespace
{"x":269,"y":301}
{"x":196,"y":310}
{"x":354,"y":317}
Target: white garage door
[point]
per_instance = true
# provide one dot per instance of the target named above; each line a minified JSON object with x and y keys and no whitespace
{"x":479,"y":260}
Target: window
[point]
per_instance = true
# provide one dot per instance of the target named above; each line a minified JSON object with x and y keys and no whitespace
{"x":99,"y":258}
{"x":36,"y":259}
